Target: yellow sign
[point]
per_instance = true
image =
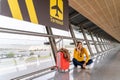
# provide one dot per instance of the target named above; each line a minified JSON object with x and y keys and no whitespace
{"x":15,"y":9}
{"x":52,"y":13}
{"x":16,"y":12}
{"x":56,"y":9}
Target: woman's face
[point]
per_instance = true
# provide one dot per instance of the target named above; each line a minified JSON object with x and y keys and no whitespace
{"x":80,"y":45}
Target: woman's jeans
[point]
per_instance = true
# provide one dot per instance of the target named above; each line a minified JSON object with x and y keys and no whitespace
{"x":80,"y":63}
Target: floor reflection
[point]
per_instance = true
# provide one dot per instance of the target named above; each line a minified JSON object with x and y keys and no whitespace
{"x":76,"y":73}
{"x":62,"y":76}
{"x":81,"y":74}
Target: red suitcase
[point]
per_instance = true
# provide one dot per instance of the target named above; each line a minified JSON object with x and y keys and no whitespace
{"x":62,"y":63}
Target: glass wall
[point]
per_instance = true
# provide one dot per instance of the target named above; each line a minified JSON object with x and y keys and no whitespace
{"x":105,"y":43}
{"x":66,"y":43}
{"x":95,"y":38}
{"x":93,"y":47}
{"x":23,"y":54}
{"x":98,"y":46}
{"x":101,"y":43}
{"x":97,"y":43}
{"x":77,"y":32}
{"x":11,"y":23}
{"x":85,"y":45}
{"x":61,"y":32}
{"x":88,"y":35}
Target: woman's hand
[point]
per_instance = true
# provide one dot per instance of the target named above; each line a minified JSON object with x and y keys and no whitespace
{"x":78,"y":49}
{"x":84,"y":65}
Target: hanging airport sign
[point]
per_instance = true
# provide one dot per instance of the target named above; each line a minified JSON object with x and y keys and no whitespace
{"x":52,"y":13}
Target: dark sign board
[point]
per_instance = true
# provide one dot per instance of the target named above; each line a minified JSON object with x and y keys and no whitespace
{"x":52,"y":13}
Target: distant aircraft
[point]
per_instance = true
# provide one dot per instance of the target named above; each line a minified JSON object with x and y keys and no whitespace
{"x":57,"y":8}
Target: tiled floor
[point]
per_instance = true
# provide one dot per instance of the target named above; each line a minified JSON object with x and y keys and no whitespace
{"x":105,"y":67}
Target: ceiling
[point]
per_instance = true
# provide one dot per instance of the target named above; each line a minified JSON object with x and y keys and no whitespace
{"x":78,"y":20}
{"x":103,"y":13}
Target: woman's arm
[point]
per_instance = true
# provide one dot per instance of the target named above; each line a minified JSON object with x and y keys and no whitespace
{"x":87,"y":55}
{"x":75,"y":55}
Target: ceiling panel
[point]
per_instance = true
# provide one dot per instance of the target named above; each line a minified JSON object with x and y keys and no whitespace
{"x":104,"y":13}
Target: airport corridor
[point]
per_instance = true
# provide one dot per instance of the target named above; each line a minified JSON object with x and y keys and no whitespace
{"x":105,"y":67}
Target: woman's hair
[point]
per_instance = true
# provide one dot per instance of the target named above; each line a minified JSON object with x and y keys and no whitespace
{"x":78,"y":43}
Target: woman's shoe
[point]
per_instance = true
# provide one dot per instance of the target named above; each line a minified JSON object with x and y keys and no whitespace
{"x":83,"y":67}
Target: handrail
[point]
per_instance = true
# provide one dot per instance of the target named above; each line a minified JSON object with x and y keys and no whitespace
{"x":29,"y":75}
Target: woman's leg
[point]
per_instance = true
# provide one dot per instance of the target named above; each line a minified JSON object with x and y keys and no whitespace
{"x":89,"y":62}
{"x":75,"y":62}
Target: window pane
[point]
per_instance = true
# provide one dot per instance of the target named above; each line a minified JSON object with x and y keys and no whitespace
{"x":61,"y":32}
{"x":105,"y":46}
{"x":95,"y":38}
{"x":85,"y":45}
{"x":77,"y":32}
{"x":93,"y":48}
{"x":88,"y":35}
{"x":21,"y":25}
{"x":98,"y":46}
{"x":99,"y":39}
{"x":23,"y":54}
{"x":102,"y":46}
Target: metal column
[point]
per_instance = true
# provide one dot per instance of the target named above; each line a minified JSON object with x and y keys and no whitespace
{"x":87,"y":42}
{"x":93,"y":41}
{"x":101,"y":37}
{"x":72,"y":34}
{"x":99,"y":42}
{"x":52,"y":42}
{"x":105,"y":43}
